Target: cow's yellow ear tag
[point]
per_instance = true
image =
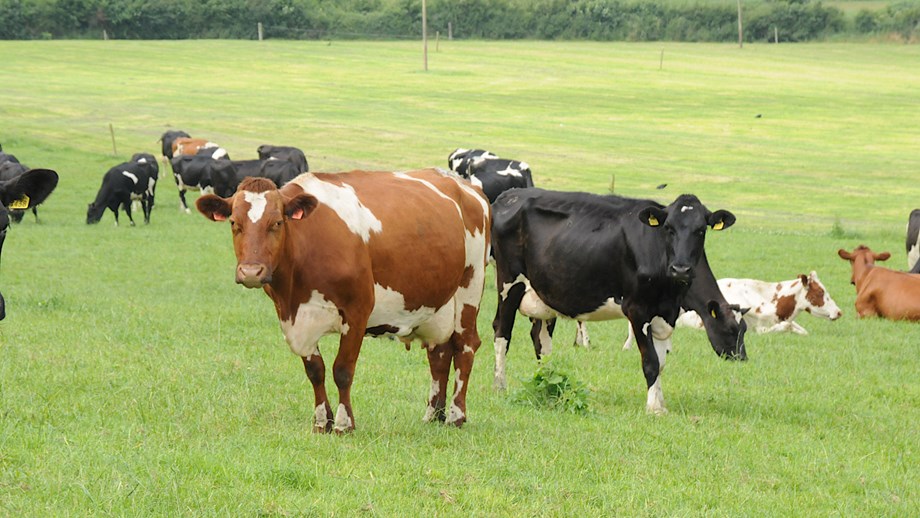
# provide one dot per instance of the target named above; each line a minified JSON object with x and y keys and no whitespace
{"x":21,"y":203}
{"x":719,"y":226}
{"x":714,"y":314}
{"x":653,"y":221}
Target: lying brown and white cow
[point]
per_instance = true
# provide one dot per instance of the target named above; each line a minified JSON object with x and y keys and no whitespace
{"x":880,"y":291}
{"x":366,"y":253}
{"x":773,"y":306}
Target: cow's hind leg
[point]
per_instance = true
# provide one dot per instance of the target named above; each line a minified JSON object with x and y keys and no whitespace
{"x":127,"y":206}
{"x":541,"y":332}
{"x":182,"y":204}
{"x":581,"y":334}
{"x":465,"y":345}
{"x":322,"y":411}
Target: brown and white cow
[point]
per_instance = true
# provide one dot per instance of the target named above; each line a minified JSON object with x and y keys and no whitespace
{"x":366,"y":253}
{"x":191,"y":146}
{"x":773,"y":306}
{"x":880,"y":291}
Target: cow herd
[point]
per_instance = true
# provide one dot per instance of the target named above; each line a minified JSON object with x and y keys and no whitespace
{"x":338,"y":253}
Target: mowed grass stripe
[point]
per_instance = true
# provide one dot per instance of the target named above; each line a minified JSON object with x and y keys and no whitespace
{"x":138,"y":379}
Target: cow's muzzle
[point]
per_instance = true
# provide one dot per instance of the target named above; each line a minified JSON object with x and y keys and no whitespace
{"x":252,"y":275}
{"x":679,"y":273}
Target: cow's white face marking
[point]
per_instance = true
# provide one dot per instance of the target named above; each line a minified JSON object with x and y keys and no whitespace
{"x":257,"y":204}
{"x":130,"y":176}
{"x":685,"y":208}
{"x":344,"y":202}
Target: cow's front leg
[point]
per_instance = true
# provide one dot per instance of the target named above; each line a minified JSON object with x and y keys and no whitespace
{"x":509,"y":300}
{"x":343,"y":372}
{"x":652,"y":352}
{"x":439,"y":358}
{"x":316,"y":372}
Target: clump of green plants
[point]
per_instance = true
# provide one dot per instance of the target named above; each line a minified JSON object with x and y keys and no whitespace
{"x":838,"y":232}
{"x":553,"y":389}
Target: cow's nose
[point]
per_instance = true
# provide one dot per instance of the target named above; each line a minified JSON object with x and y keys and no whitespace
{"x":680,"y":272}
{"x":251,"y":275}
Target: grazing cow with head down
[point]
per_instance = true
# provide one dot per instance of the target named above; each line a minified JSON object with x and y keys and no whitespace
{"x":338,"y":253}
{"x":459,"y":161}
{"x":880,"y":291}
{"x":591,"y":257}
{"x":287,"y":154}
{"x":153,"y":172}
{"x":913,"y":242}
{"x":121,"y":185}
{"x":25,"y":191}
{"x":774,"y":305}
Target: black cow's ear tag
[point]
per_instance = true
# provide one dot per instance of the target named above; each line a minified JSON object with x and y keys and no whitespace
{"x":21,"y":203}
{"x":713,"y":312}
{"x":653,"y":221}
{"x":719,"y":226}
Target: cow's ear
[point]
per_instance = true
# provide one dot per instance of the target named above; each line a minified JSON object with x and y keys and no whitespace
{"x":804,"y":279}
{"x":653,"y":216}
{"x":29,"y":189}
{"x":884,"y":256}
{"x":714,"y":309}
{"x":721,"y":219}
{"x":214,"y":207}
{"x":300,"y":206}
{"x":846,"y":256}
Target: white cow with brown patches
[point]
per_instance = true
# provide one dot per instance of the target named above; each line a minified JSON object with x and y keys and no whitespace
{"x":366,"y":253}
{"x":775,"y":305}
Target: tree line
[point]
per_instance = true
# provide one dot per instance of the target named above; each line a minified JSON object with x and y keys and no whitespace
{"x":604,"y":20}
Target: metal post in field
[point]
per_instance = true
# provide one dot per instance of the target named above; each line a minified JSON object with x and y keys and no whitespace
{"x":260,"y":31}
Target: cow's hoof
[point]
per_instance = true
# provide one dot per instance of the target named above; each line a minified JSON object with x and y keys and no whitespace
{"x":343,"y":431}
{"x":658,"y":410}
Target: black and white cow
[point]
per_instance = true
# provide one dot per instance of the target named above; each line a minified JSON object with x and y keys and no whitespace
{"x":121,"y":185}
{"x":25,"y":191}
{"x":287,"y":153}
{"x":459,"y":161}
{"x":153,"y":172}
{"x":591,"y":257}
{"x":279,"y":171}
{"x":913,"y":241}
{"x":167,"y":140}
{"x":6,"y":157}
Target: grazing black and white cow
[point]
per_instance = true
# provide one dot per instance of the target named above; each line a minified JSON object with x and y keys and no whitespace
{"x":496,"y":175}
{"x":167,"y":140}
{"x":6,"y":157}
{"x":278,"y":171}
{"x":459,"y":161}
{"x":25,"y":191}
{"x":288,"y":153}
{"x":913,"y":242}
{"x":121,"y":185}
{"x":194,"y":173}
{"x":217,"y":153}
{"x":153,"y":172}
{"x":591,"y":257}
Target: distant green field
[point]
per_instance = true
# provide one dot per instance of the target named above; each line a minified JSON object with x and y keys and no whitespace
{"x":137,"y":379}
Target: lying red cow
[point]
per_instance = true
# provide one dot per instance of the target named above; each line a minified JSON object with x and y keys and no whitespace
{"x":880,"y":291}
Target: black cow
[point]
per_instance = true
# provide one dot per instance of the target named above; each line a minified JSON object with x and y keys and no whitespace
{"x":6,"y":157}
{"x":25,"y":191}
{"x":121,"y":185}
{"x":168,"y":138}
{"x":8,"y":171}
{"x":913,"y":241}
{"x":591,"y":257}
{"x":217,"y":153}
{"x":288,"y":153}
{"x":459,"y":160}
{"x":279,"y":171}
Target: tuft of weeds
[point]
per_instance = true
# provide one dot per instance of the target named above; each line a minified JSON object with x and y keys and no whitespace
{"x":553,"y":389}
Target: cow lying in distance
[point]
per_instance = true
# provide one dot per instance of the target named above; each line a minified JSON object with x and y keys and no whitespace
{"x":285,"y":153}
{"x":880,"y":291}
{"x":22,"y":192}
{"x":335,"y":253}
{"x":121,"y":185}
{"x":590,"y":257}
{"x":913,"y":242}
{"x":771,"y":307}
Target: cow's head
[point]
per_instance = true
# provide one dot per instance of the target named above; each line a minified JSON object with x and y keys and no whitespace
{"x":685,"y":221}
{"x":818,"y":301}
{"x":725,"y":328}
{"x":861,"y":259}
{"x":94,"y":213}
{"x":23,"y":192}
{"x":259,"y":215}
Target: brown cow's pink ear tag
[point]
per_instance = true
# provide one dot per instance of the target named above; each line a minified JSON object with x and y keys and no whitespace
{"x":218,"y":216}
{"x":298,"y":214}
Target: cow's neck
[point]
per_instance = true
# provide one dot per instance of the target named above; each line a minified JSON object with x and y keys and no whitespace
{"x":283,"y":289}
{"x":860,"y":271}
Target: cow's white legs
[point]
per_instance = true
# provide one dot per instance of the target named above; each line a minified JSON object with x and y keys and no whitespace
{"x":501,"y":351}
{"x":581,"y":334}
{"x":661,"y":338}
{"x":630,"y":337}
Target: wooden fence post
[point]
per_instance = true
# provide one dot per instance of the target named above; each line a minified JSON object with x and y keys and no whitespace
{"x":260,"y":31}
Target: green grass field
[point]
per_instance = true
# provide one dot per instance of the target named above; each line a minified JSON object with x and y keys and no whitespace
{"x":137,"y":379}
